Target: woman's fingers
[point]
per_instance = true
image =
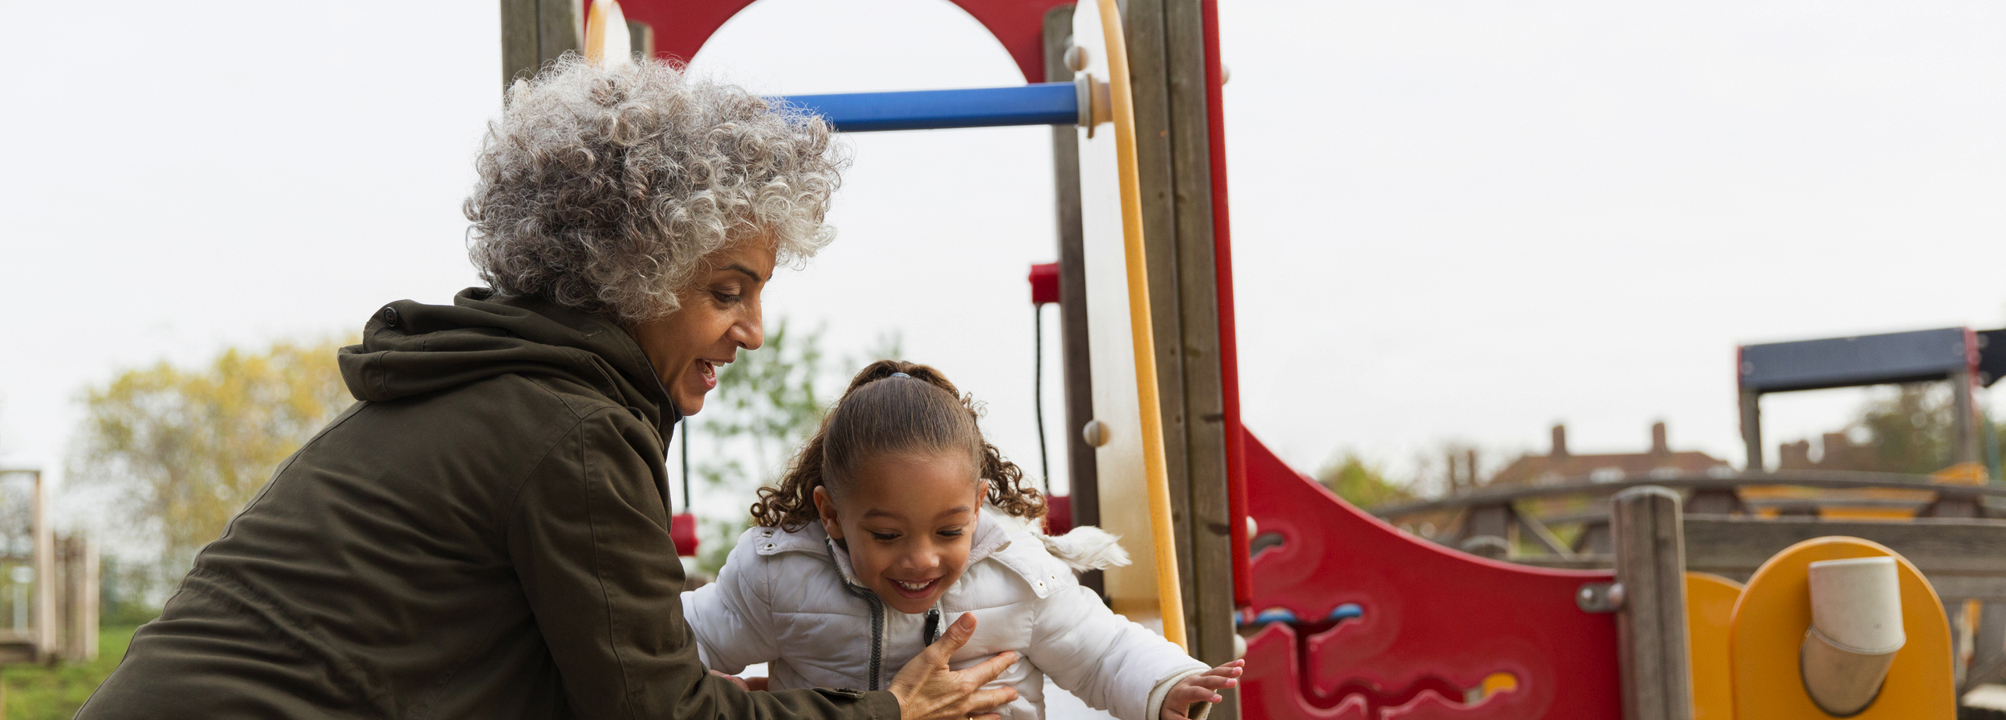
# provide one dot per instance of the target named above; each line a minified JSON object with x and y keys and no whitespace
{"x":956,"y":636}
{"x":990,"y":699}
{"x":989,"y":669}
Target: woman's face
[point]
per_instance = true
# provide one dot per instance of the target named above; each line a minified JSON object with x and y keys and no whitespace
{"x":719,"y":315}
{"x":908,"y":522}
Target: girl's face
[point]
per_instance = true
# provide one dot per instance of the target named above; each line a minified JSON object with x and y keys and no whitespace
{"x":719,"y":315}
{"x":908,"y":521}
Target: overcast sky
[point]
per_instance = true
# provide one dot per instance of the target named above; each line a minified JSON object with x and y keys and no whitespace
{"x":1452,"y":220}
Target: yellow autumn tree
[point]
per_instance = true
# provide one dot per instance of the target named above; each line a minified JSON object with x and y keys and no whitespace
{"x":183,"y":450}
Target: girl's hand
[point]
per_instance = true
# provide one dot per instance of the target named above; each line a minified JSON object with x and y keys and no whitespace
{"x":1200,"y":688}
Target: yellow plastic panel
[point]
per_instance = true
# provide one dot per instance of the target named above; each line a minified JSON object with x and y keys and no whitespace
{"x":1775,"y":610}
{"x":1710,"y":603}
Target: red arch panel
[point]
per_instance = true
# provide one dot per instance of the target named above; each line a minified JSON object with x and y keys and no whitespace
{"x":683,"y":26}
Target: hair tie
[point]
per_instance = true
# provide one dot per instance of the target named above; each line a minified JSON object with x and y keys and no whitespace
{"x":900,"y":374}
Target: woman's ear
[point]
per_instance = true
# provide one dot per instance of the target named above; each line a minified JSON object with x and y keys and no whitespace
{"x":826,"y":507}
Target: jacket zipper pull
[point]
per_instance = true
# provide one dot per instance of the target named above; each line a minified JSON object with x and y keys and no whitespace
{"x":932,"y":625}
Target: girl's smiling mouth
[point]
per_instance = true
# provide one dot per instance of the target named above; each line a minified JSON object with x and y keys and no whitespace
{"x":914,"y":590}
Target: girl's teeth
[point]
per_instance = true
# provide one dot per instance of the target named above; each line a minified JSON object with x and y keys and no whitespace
{"x":912,"y":586}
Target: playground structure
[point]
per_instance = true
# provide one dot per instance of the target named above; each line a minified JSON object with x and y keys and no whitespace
{"x":1340,"y":614}
{"x":52,"y":580}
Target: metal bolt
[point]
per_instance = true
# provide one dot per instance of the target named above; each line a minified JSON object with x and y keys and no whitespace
{"x":1095,"y":433}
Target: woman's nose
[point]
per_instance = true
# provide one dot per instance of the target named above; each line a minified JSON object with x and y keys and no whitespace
{"x":749,"y":333}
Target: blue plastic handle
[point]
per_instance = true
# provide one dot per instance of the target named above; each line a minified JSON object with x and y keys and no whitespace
{"x":1038,"y":104}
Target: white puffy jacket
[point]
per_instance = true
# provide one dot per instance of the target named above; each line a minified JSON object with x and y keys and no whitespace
{"x":792,"y":599}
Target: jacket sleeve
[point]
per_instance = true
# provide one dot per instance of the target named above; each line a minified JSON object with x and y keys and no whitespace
{"x":731,"y":618}
{"x":589,"y":538}
{"x":1107,"y":661}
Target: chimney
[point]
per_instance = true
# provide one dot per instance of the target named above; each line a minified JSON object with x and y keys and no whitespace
{"x":1658,"y":444}
{"x":1559,"y":441}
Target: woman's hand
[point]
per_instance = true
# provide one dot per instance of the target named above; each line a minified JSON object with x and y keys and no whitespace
{"x":1200,"y":688}
{"x":757,"y":684}
{"x":928,"y":689}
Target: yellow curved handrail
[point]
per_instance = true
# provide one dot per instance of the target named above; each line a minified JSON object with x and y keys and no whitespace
{"x":1169,"y":595}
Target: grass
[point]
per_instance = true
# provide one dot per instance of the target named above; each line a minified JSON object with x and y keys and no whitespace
{"x":37,"y":692}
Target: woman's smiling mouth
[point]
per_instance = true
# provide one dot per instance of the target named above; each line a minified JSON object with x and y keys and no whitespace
{"x":708,"y":371}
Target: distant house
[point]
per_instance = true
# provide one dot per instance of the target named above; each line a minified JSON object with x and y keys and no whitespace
{"x":1839,"y":453}
{"x":1560,"y":465}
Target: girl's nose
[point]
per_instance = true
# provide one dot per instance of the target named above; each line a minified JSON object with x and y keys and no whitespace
{"x":922,"y":561}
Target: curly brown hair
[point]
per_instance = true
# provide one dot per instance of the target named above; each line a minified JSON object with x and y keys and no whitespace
{"x":879,"y":414}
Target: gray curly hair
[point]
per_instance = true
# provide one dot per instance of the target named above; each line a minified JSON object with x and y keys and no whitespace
{"x":604,"y":189}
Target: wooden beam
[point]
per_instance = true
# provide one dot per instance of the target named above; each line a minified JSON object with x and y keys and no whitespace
{"x":1751,"y":429}
{"x":1167,"y":62}
{"x":1964,"y":419}
{"x":520,"y":55}
{"x":1204,"y":400}
{"x":1652,"y":648}
{"x":560,"y":28}
{"x":1076,"y":358}
{"x":1542,"y":534}
{"x":641,"y":38}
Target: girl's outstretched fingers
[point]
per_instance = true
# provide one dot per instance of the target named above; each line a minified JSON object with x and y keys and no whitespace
{"x":1201,"y":688}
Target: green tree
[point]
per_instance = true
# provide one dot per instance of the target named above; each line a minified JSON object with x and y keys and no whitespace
{"x":1911,"y":430}
{"x":1360,"y":482}
{"x":183,"y":450}
{"x":764,"y":407}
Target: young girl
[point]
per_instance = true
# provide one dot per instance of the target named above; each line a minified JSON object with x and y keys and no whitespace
{"x":896,"y":519}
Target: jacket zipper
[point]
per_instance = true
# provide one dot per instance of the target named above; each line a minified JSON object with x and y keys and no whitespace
{"x":877,"y":623}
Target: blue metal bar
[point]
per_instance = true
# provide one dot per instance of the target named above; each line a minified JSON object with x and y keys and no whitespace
{"x":1037,"y":104}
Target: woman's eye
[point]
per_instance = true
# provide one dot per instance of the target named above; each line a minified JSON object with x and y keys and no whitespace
{"x":725,"y":297}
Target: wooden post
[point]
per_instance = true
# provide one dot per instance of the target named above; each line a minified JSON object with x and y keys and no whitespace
{"x":1989,"y":658}
{"x":1652,"y":648}
{"x":45,"y":575}
{"x":641,"y":38}
{"x":534,"y":32}
{"x":1751,"y":428}
{"x":1964,"y":418}
{"x":79,"y":591}
{"x":1078,"y":366}
{"x":1487,"y":531}
{"x":1167,"y":59}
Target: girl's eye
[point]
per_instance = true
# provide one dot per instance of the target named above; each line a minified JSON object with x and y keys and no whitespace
{"x":885,"y":537}
{"x":951,"y":533}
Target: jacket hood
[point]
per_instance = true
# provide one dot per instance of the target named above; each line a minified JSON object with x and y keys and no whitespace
{"x":410,"y":348}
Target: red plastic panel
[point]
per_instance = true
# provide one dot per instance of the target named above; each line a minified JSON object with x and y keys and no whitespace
{"x":1430,"y":624}
{"x":1229,"y":343}
{"x":1058,"y":514}
{"x":682,"y":26}
{"x":683,"y":530}
{"x":1044,"y":283}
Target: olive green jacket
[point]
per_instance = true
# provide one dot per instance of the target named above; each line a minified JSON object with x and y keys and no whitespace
{"x":484,"y":535}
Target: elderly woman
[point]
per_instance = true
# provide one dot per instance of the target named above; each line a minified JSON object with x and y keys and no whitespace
{"x":486,"y":533}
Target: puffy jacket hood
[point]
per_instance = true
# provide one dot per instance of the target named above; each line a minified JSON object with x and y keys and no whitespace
{"x":410,"y":348}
